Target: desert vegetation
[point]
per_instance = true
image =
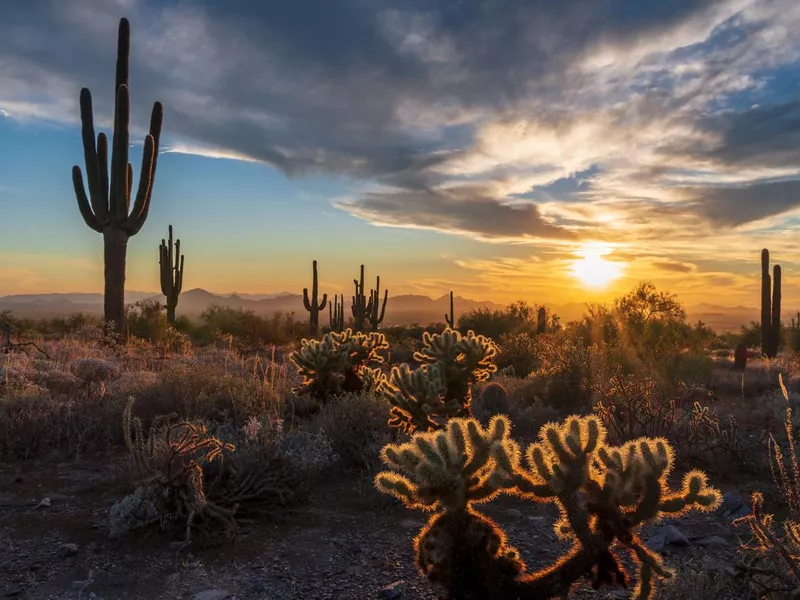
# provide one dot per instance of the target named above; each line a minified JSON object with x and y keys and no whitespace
{"x":235,"y":454}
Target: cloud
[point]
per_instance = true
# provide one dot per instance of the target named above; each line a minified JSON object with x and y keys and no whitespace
{"x":459,"y":117}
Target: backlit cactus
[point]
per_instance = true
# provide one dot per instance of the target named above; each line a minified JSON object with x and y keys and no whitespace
{"x":604,"y":495}
{"x":541,"y":320}
{"x":312,"y":304}
{"x":108,"y":208}
{"x":333,"y":364}
{"x":170,"y":264}
{"x":441,"y":388}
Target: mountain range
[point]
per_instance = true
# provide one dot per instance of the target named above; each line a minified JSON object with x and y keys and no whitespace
{"x":402,"y":309}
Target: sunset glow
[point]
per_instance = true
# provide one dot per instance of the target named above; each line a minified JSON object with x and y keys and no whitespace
{"x":593,"y":270}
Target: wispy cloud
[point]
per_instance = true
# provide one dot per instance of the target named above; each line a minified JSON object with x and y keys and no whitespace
{"x":543,"y":124}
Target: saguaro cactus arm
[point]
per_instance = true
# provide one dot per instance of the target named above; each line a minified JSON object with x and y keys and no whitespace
{"x":108,"y":202}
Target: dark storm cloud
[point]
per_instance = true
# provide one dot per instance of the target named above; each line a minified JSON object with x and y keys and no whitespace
{"x":397,"y":92}
{"x":734,"y":206}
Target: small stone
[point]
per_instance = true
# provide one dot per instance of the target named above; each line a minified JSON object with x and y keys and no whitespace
{"x":411,"y":524}
{"x":44,"y":503}
{"x":213,"y":595}
{"x":69,"y":549}
{"x":675,"y":536}
{"x":513,"y":512}
{"x":657,"y":542}
{"x":733,"y":507}
{"x":393,"y":591}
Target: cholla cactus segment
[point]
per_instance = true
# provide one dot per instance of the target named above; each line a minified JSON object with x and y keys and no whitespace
{"x":464,"y":360}
{"x":604,"y":494}
{"x":418,"y":398}
{"x":451,"y":468}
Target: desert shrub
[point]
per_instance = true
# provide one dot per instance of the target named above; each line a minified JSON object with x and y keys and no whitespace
{"x":565,"y":373}
{"x":517,"y":352}
{"x":248,"y":330}
{"x":774,"y":549}
{"x":356,"y":425}
{"x":604,"y":495}
{"x":518,"y":317}
{"x":147,"y":319}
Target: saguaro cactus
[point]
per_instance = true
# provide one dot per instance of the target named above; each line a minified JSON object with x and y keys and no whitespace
{"x":541,"y":320}
{"x":336,"y":315}
{"x":451,"y":318}
{"x":770,"y":308}
{"x":107,"y":209}
{"x":171,"y":266}
{"x":361,"y":306}
{"x":312,"y":305}
{"x":375,"y":317}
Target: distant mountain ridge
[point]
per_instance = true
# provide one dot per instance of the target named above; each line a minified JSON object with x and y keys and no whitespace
{"x":402,"y":309}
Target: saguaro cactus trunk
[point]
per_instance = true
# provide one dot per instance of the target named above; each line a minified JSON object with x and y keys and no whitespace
{"x":171,"y":266}
{"x":312,"y":304}
{"x":107,"y":209}
{"x":770,"y":307}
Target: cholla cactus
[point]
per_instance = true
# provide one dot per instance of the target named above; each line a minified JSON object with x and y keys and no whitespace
{"x":418,"y":398}
{"x":464,"y":360}
{"x":604,"y":494}
{"x":334,"y":363}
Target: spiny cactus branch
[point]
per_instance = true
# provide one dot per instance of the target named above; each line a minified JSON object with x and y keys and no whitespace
{"x":312,"y":304}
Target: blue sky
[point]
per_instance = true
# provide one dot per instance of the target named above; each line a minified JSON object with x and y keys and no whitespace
{"x":464,"y":145}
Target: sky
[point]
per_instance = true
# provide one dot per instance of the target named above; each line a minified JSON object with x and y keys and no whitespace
{"x":504,"y":150}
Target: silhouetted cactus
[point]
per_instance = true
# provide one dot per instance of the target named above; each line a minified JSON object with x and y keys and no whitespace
{"x":312,"y":305}
{"x":336,"y":313}
{"x":494,"y":399}
{"x":375,"y":317}
{"x":107,"y":209}
{"x":541,"y":320}
{"x":770,"y":308}
{"x":604,"y":495}
{"x":170,"y":265}
{"x":740,"y":357}
{"x":450,"y":319}
{"x":361,"y":308}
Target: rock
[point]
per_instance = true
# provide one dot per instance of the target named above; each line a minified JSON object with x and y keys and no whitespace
{"x":657,"y":542}
{"x":213,"y":595}
{"x":393,"y":591}
{"x":69,"y":549}
{"x":45,"y":503}
{"x":675,"y":536}
{"x":733,"y":506}
{"x":513,"y":512}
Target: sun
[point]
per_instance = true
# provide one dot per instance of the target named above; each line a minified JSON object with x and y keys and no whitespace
{"x":592,"y":269}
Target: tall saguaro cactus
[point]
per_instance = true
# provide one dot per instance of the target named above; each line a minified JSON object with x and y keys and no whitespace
{"x":450,"y":319}
{"x":541,"y":320}
{"x":361,"y":307}
{"x":770,"y":307}
{"x":171,"y":266}
{"x":376,"y":317}
{"x":313,"y":306}
{"x":107,"y":209}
